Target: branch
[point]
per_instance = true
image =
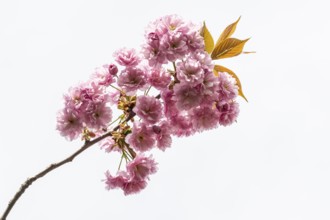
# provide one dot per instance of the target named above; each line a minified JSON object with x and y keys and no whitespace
{"x":54,"y":166}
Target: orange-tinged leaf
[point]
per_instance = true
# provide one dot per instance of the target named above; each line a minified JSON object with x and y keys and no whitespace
{"x":218,"y":68}
{"x":208,"y":39}
{"x":215,"y":72}
{"x":230,"y":29}
{"x":230,"y":47}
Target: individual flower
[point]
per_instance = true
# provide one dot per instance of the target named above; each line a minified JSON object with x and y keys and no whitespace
{"x":97,"y":115}
{"x":148,"y":108}
{"x":227,"y":87}
{"x":190,"y":71}
{"x":152,"y":52}
{"x":181,"y":125}
{"x":170,"y":108}
{"x":132,"y":79}
{"x":135,"y":179}
{"x":102,"y":76}
{"x":118,"y":181}
{"x":134,"y":186}
{"x":74,"y":98}
{"x":210,"y":85}
{"x":109,"y":145}
{"x":163,"y":135}
{"x":159,"y":78}
{"x":228,"y":113}
{"x":204,"y":118}
{"x":170,"y":24}
{"x":141,"y":167}
{"x":69,"y":124}
{"x":142,"y":138}
{"x":186,"y":96}
{"x":209,"y":88}
{"x":93,"y":92}
{"x":174,"y":46}
{"x":127,"y":57}
{"x":194,"y":40}
{"x":204,"y":60}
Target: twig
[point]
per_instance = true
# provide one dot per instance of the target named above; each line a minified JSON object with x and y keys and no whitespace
{"x":54,"y":166}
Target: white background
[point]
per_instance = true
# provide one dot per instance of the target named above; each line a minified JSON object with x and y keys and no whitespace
{"x":272,"y":164}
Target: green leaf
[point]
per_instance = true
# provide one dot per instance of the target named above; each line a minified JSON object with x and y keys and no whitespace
{"x":230,"y":47}
{"x":208,"y":39}
{"x":230,"y":29}
{"x":218,"y":68}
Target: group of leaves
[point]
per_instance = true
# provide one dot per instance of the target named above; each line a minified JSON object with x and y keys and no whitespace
{"x":225,"y":47}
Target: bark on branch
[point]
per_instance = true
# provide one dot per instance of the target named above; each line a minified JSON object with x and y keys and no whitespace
{"x":54,"y":166}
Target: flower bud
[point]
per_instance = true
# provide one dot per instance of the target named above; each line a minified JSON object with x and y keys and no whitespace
{"x":113,"y":69}
{"x":156,"y":129}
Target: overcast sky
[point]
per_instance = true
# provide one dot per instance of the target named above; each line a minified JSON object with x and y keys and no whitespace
{"x":272,"y":164}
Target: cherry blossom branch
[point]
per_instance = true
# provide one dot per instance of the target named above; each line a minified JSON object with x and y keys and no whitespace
{"x":54,"y":166}
{"x":198,"y":96}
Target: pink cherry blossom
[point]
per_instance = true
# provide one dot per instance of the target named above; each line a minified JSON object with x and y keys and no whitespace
{"x":69,"y":124}
{"x":135,"y":179}
{"x":170,"y":23}
{"x":93,"y":93}
{"x":132,"y":79}
{"x":118,"y":181}
{"x":127,"y":57}
{"x":186,"y":96}
{"x":97,"y":115}
{"x":123,"y":181}
{"x":228,"y":113}
{"x":152,"y":52}
{"x":159,"y":78}
{"x":74,"y":98}
{"x":142,"y":138}
{"x":163,"y":133}
{"x":210,"y":86}
{"x":102,"y":76}
{"x":205,"y":118}
{"x":227,"y":88}
{"x":141,"y":167}
{"x":190,"y":71}
{"x":134,"y":186}
{"x":204,"y":60}
{"x":85,"y":106}
{"x":166,"y":40}
{"x":148,"y":108}
{"x":170,"y":108}
{"x":194,"y":41}
{"x":174,"y":46}
{"x":181,"y":125}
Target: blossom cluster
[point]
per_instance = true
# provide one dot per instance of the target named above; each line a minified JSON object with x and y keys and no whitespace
{"x":167,"y":88}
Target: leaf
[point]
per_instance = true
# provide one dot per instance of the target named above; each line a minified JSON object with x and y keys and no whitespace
{"x":230,"y":29}
{"x":230,"y":47}
{"x":218,"y":68}
{"x":215,"y":72}
{"x":208,"y":39}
